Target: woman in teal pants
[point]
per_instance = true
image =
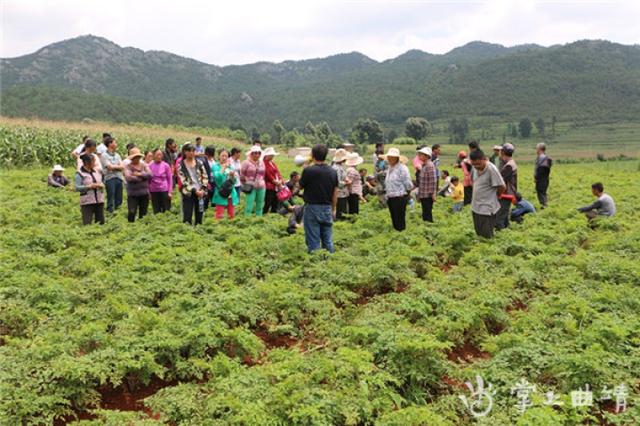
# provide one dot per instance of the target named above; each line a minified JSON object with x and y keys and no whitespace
{"x":252,"y":174}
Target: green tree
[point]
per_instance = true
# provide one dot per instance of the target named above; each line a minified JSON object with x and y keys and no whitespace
{"x":278,"y":132}
{"x":293,"y":138}
{"x":525,"y":127}
{"x":309,"y":129}
{"x":366,"y":131}
{"x":514,"y":130}
{"x":458,"y":130}
{"x":540,"y":126}
{"x":255,"y":135}
{"x":553,"y":126}
{"x":417,"y":128}
{"x":391,"y":135}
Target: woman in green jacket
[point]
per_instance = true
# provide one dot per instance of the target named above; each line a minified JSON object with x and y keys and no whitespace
{"x":225,"y":178}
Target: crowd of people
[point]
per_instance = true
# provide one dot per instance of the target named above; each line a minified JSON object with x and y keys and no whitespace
{"x":330,"y":190}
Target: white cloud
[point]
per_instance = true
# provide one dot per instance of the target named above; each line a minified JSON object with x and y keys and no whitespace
{"x":242,"y":31}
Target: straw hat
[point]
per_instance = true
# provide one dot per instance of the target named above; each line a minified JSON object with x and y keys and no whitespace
{"x":340,"y":155}
{"x":135,"y":152}
{"x":58,"y":168}
{"x":269,"y":151}
{"x":497,"y":147}
{"x":353,"y":159}
{"x":426,"y":151}
{"x":395,"y":152}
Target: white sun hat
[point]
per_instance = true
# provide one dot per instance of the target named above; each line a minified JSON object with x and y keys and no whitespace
{"x":269,"y":151}
{"x":395,"y":152}
{"x":354,"y":159}
{"x":426,"y":151}
{"x":254,"y":148}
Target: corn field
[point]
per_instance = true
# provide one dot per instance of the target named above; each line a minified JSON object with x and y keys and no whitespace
{"x":25,"y":145}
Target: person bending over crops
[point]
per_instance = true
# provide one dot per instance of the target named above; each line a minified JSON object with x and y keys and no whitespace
{"x":445,"y":190}
{"x":487,"y":187}
{"x":427,"y":184}
{"x":113,"y":174}
{"x":194,"y":181}
{"x":603,"y":206}
{"x":320,"y":185}
{"x":137,"y":175}
{"x":89,"y":184}
{"x":398,"y":185}
{"x":224,"y":196}
{"x":56,"y":179}
{"x":161,"y":184}
{"x":522,"y":207}
{"x":252,"y":177}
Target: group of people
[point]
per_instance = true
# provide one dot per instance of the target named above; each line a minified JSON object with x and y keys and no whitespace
{"x":202,"y":178}
{"x":330,"y":190}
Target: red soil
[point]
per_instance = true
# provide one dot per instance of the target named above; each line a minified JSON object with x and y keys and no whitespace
{"x":467,"y":353}
{"x":122,"y":399}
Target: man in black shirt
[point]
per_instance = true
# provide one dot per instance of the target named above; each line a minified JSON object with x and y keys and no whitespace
{"x":320,"y":184}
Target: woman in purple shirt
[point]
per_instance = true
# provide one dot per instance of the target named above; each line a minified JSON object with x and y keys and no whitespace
{"x":161,"y":184}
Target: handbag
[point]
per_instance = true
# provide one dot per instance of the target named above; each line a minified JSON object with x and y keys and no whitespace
{"x":225,"y":189}
{"x":248,"y":187}
{"x":284,"y":193}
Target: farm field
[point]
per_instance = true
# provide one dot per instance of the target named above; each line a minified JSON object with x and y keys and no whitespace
{"x":232,"y":323}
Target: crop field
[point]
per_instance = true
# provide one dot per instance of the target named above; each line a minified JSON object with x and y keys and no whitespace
{"x":233,"y":323}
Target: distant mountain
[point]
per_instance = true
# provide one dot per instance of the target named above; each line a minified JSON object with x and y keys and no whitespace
{"x":581,"y":79}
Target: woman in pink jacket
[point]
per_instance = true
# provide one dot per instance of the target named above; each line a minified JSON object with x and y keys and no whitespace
{"x":161,"y":184}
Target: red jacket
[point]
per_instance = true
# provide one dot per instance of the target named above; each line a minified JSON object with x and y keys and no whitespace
{"x":271,"y":174}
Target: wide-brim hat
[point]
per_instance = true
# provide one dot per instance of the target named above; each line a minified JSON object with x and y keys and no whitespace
{"x":497,"y":147}
{"x":254,"y":148}
{"x":395,"y":152}
{"x":135,"y":152}
{"x":354,"y":159}
{"x":426,"y":151}
{"x":269,"y":151}
{"x":340,"y":155}
{"x":58,"y":168}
